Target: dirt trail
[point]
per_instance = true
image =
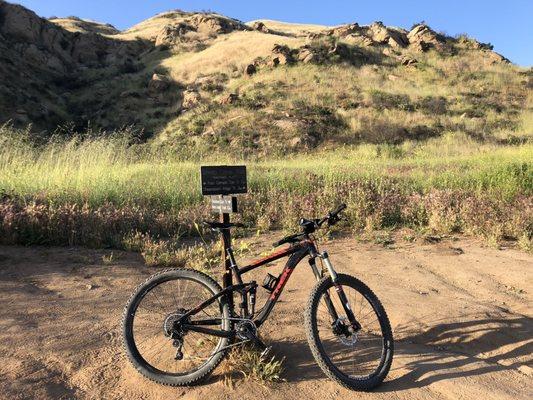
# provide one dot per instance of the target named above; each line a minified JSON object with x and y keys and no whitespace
{"x":461,"y":315}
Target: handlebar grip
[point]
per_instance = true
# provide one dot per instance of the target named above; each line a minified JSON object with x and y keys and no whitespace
{"x":338,"y":209}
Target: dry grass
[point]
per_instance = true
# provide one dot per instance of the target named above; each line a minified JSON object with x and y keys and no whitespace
{"x":249,"y":364}
{"x":227,"y":54}
{"x":149,"y":28}
{"x":290,"y":28}
{"x":85,"y":26}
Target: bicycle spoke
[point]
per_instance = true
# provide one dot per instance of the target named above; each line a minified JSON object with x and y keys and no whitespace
{"x":357,"y":355}
{"x":164,"y":301}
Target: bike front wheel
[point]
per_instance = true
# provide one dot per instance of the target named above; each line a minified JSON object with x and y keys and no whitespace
{"x":356,"y":359}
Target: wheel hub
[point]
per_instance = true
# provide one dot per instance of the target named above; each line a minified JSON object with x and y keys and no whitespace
{"x":169,"y":325}
{"x":343,"y":331}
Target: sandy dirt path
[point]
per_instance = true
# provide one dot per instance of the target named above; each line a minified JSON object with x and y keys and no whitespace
{"x":461,"y":315}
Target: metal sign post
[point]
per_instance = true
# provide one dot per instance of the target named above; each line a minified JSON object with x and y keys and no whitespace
{"x":219,"y":182}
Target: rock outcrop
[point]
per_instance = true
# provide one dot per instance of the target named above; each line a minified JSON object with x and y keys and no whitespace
{"x":40,"y":62}
{"x":197,"y":27}
{"x":422,"y":38}
{"x":373,"y":34}
{"x":381,"y":34}
{"x":261,"y":27}
{"x":311,"y":54}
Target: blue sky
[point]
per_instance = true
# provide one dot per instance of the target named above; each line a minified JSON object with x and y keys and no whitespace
{"x":507,"y":24}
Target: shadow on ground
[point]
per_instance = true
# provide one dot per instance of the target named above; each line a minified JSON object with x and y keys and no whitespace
{"x":445,"y":351}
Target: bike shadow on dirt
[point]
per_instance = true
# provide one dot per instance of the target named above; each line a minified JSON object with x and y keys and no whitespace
{"x":445,"y":351}
{"x":459,"y":349}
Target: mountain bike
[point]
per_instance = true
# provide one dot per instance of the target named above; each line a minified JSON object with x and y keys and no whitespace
{"x":179,"y":324}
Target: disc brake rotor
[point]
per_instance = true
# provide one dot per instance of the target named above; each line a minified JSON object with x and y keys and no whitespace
{"x":340,"y":328}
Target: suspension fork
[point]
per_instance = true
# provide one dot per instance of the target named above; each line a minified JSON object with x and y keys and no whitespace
{"x":327,"y":298}
{"x":340,"y":292}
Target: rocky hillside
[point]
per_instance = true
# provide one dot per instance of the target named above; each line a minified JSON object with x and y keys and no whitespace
{"x":205,"y":80}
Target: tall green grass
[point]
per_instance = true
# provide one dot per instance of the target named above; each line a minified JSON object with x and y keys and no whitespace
{"x":110,"y":169}
{"x":107,"y":177}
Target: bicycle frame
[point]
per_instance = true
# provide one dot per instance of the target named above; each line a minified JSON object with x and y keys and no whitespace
{"x":296,"y":253}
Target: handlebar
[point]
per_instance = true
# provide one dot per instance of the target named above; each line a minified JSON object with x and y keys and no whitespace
{"x":340,"y":208}
{"x":309,"y":226}
{"x":332,"y":216}
{"x":288,"y":239}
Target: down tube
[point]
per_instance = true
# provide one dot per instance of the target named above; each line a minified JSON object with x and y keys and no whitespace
{"x":287,"y":271}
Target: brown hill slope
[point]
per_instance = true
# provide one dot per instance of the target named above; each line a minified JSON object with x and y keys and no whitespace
{"x":75,"y":24}
{"x":195,"y":78}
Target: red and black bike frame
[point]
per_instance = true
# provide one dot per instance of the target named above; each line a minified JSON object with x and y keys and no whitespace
{"x":296,"y":253}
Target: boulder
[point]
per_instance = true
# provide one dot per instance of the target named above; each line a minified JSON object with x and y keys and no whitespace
{"x":359,"y":40}
{"x":272,"y":62}
{"x":378,"y":32}
{"x":420,"y":47}
{"x":344,"y":30}
{"x":191,"y":98}
{"x":250,"y":69}
{"x":383,"y":35}
{"x":231,"y":98}
{"x":397,"y":39}
{"x":408,"y":61}
{"x":172,"y":34}
{"x":306,"y":55}
{"x":214,"y":24}
{"x":261,"y":27}
{"x":282,"y":53}
{"x":159,"y":83}
{"x":495,"y":58}
{"x":422,"y":38}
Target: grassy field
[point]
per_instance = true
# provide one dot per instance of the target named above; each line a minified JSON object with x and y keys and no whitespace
{"x":109,"y":192}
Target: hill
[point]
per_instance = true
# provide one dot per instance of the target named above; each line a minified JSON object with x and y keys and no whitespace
{"x":206,"y":80}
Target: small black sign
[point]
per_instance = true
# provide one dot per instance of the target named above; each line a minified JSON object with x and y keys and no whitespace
{"x":223,"y":179}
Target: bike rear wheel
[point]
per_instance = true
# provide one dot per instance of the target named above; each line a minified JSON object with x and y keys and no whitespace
{"x":360,"y":360}
{"x":147,"y":320}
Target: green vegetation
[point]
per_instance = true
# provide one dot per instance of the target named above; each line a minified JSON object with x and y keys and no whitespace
{"x":106,"y":191}
{"x":281,"y":110}
{"x":412,"y":129}
{"x":249,"y":363}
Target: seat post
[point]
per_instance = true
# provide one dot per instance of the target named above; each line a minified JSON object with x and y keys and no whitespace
{"x":226,"y":242}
